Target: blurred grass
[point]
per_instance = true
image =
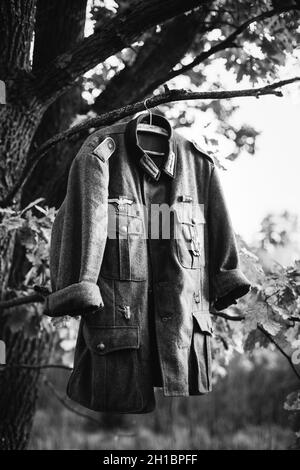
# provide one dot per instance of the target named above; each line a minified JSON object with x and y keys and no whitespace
{"x":67,"y":433}
{"x":245,"y":411}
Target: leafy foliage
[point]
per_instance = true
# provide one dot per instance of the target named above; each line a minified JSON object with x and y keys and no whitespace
{"x":271,"y":310}
{"x":293,"y":402}
{"x":32,"y":226}
{"x":34,"y":235}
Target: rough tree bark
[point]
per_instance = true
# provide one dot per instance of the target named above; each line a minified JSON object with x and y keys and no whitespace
{"x":115,"y":34}
{"x":19,"y":387}
{"x":58,"y":26}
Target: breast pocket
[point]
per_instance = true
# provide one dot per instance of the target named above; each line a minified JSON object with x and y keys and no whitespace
{"x":189,"y":236}
{"x":125,"y":254}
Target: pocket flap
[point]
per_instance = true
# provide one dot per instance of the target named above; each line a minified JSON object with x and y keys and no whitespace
{"x":103,"y":340}
{"x":204,"y":321}
{"x":189,"y":214}
{"x":123,"y":225}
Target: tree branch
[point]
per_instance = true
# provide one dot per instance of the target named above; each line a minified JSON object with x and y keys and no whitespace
{"x":226,"y":43}
{"x":35,"y":367}
{"x":134,"y":82}
{"x":113,"y":116}
{"x":294,"y":319}
{"x":114,"y":35}
{"x":27,"y":299}
{"x":270,"y":337}
{"x":229,"y":317}
{"x":59,"y":24}
{"x":272,"y":340}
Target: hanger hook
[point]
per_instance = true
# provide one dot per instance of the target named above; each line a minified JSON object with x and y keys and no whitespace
{"x":149,"y":111}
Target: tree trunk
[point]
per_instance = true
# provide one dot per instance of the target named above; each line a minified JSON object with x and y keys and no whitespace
{"x":19,"y":387}
{"x":58,"y":27}
{"x":49,"y":177}
{"x":23,"y":126}
{"x":17,"y":127}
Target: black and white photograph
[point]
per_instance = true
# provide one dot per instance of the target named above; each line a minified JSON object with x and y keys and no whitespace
{"x":149,"y":228}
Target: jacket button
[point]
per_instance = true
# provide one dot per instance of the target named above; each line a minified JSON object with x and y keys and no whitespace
{"x":164,"y":319}
{"x":101,"y":346}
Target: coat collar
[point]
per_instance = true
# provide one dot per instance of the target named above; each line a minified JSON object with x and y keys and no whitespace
{"x":145,"y":161}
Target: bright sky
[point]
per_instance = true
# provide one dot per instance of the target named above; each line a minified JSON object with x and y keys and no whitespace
{"x":269,"y":181}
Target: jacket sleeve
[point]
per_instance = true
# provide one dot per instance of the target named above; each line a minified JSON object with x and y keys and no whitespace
{"x":78,"y":236}
{"x":227,"y":282}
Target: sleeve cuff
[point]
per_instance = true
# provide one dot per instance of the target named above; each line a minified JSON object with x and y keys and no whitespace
{"x":229,"y":286}
{"x":74,"y":300}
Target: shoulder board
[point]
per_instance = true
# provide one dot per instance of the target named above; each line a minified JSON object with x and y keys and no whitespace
{"x":203,"y":152}
{"x":105,"y":149}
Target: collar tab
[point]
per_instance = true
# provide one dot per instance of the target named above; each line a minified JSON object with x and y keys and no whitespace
{"x":149,"y":166}
{"x":169,"y":167}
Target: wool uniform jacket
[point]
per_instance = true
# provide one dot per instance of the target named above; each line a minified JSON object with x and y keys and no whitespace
{"x":144,"y":300}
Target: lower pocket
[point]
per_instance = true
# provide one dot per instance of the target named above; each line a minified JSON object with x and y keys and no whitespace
{"x":201,"y":353}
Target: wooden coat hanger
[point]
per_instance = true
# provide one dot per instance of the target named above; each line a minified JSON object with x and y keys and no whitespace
{"x":152,"y":129}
